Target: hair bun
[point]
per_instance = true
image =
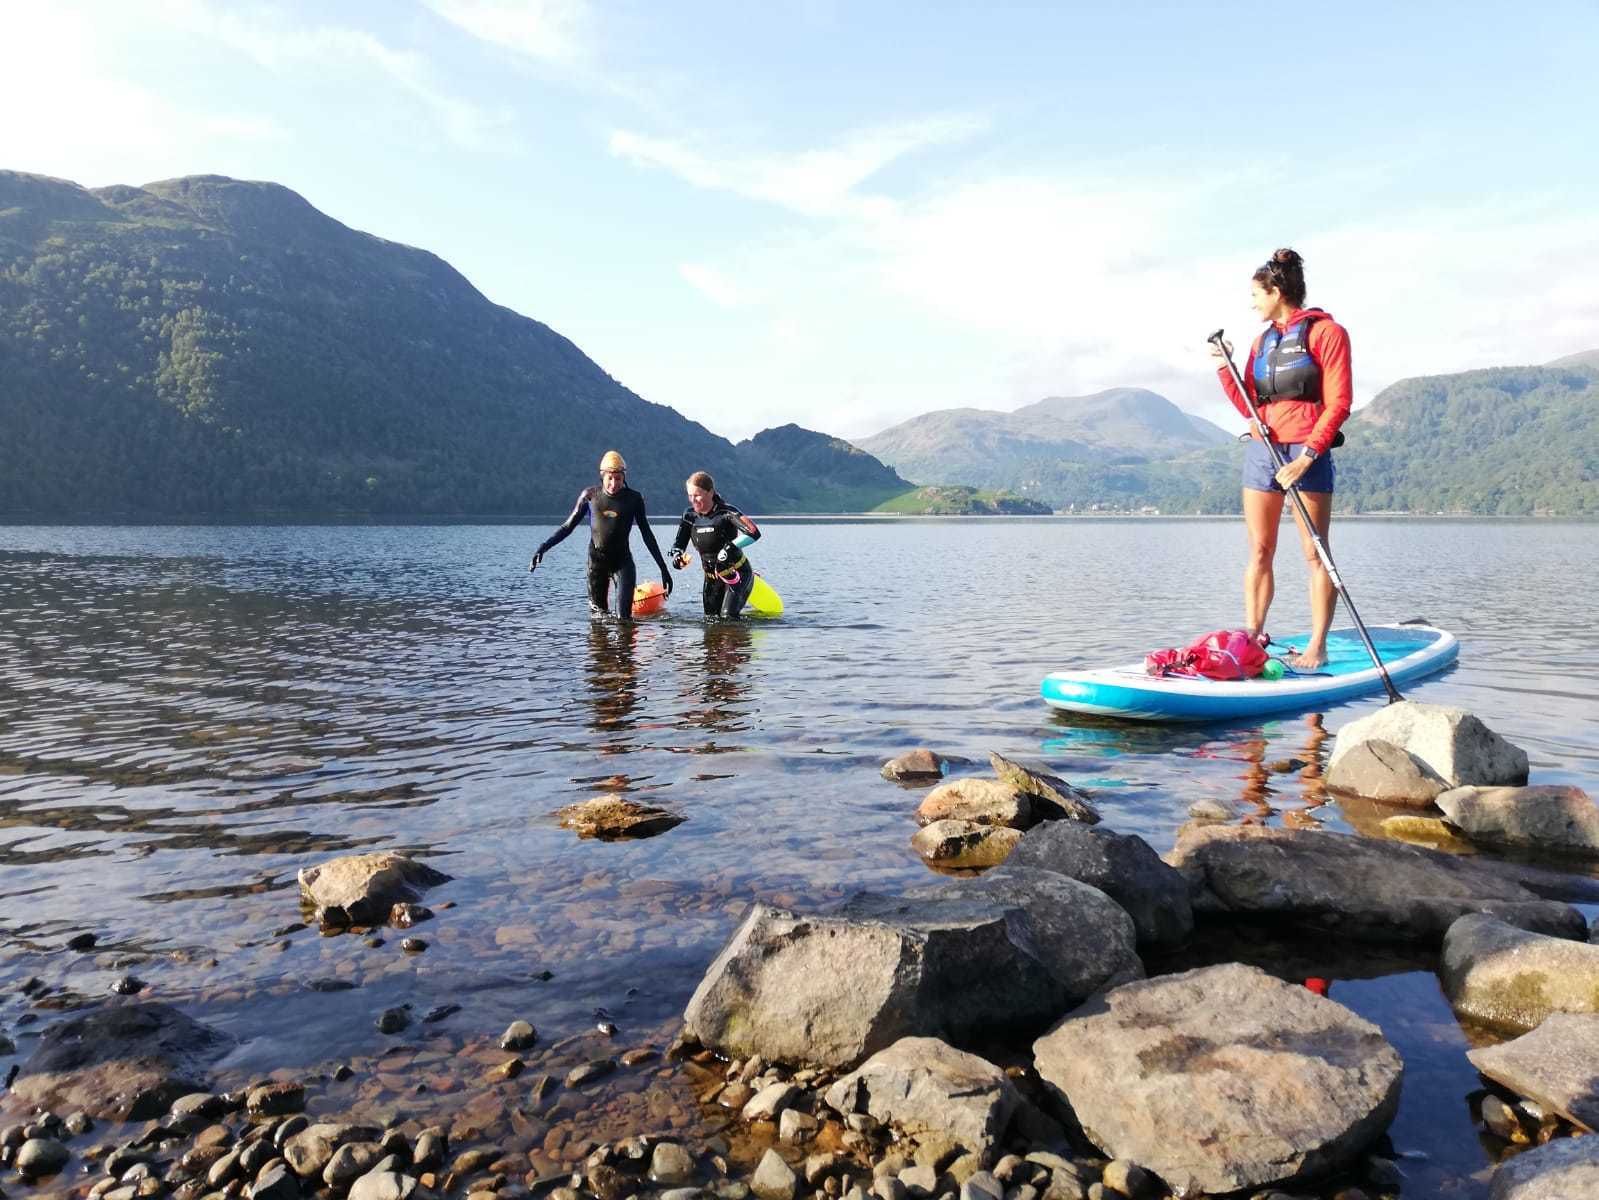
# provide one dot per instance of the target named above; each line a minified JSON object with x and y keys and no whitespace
{"x":1287,"y":257}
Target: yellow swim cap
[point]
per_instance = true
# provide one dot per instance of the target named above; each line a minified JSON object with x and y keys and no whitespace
{"x":613,"y":462}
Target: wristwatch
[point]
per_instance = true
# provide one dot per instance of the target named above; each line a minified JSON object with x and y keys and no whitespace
{"x":1309,"y":453}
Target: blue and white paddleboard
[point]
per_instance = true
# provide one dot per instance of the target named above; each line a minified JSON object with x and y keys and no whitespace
{"x":1410,"y":652}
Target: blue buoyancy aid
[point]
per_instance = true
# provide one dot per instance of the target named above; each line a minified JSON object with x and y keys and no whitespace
{"x":1284,"y":369}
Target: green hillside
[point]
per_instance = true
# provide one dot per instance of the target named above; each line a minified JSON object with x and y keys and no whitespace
{"x":947,"y":500}
{"x":210,"y":346}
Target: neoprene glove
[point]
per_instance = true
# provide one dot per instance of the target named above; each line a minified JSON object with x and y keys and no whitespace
{"x":666,"y":582}
{"x":538,"y":557}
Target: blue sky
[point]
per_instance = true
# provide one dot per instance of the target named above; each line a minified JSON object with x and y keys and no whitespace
{"x":845,"y":214}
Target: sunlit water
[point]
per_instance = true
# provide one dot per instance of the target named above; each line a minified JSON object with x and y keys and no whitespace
{"x":188,"y":715}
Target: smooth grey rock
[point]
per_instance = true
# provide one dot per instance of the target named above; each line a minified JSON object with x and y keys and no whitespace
{"x":982,"y":1186}
{"x":1564,"y":1169}
{"x":922,"y":1086}
{"x":1357,"y":887}
{"x":964,"y":844}
{"x":275,"y":1183}
{"x":671,"y":1164}
{"x":1120,"y":865}
{"x":40,"y":1156}
{"x":1379,"y":770}
{"x":774,"y":1179}
{"x":769,"y":1101}
{"x":1223,"y":1078}
{"x":309,"y":1151}
{"x":1053,"y":798}
{"x":980,"y":801}
{"x":795,"y":1126}
{"x":1554,"y":1066}
{"x":388,"y":1185}
{"x":1454,"y":744}
{"x":518,"y":1035}
{"x":122,"y":1062}
{"x":349,"y":1162}
{"x":360,"y":889}
{"x":915,"y":766}
{"x":1514,"y":978}
{"x":1083,"y":938}
{"x":831,"y":989}
{"x":1550,"y":820}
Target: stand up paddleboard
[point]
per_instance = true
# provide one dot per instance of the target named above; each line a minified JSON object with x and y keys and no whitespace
{"x":1410,"y":652}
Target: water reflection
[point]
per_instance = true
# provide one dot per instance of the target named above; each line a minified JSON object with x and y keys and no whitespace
{"x":613,"y":683}
{"x":717,"y":690}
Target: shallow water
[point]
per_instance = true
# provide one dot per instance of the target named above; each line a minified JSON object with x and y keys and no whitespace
{"x":188,"y":715}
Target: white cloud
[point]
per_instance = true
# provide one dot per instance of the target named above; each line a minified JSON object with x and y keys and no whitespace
{"x":553,"y":31}
{"x":819,"y":182}
{"x":712,"y":284}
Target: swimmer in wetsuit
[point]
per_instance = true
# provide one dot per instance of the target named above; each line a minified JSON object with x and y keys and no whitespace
{"x":719,"y":533}
{"x":613,"y":509}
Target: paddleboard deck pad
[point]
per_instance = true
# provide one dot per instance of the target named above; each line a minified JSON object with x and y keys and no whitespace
{"x":1410,"y":652}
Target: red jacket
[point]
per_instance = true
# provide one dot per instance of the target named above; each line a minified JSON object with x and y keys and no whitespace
{"x":1304,"y":420}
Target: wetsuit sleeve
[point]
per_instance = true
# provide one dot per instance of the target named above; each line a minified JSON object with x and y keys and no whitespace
{"x":1329,"y":346}
{"x":685,"y":530}
{"x":1231,"y":388}
{"x":579,"y":511}
{"x":746,"y":527}
{"x":648,"y":535}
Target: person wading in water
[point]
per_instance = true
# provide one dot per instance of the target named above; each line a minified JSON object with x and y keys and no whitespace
{"x":612,"y":509}
{"x":719,"y":532}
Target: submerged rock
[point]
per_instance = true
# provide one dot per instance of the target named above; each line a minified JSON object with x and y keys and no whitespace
{"x":964,"y":844}
{"x":924,"y":1086}
{"x":1223,"y":1078}
{"x":1356,"y":887}
{"x":1451,"y":742}
{"x":122,"y":1062}
{"x":1550,"y":820}
{"x":915,"y":766}
{"x":361,"y":889}
{"x":834,"y":988}
{"x":1564,"y":1169}
{"x":1055,"y":799}
{"x":1122,"y":866}
{"x":616,"y":818}
{"x":1553,"y":1065}
{"x":978,"y":801}
{"x":1380,"y":770}
{"x":1513,"y":978}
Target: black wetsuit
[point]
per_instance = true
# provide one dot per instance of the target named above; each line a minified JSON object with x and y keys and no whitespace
{"x":713,"y":536}
{"x":611,"y":520}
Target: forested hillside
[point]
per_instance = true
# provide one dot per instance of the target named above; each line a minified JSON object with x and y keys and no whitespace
{"x":210,"y":346}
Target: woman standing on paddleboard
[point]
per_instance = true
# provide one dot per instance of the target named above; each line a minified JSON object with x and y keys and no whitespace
{"x":1298,"y":375}
{"x":613,"y":509}
{"x":719,"y":533}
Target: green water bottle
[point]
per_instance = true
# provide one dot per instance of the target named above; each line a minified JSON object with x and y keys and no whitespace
{"x":1273,"y":669}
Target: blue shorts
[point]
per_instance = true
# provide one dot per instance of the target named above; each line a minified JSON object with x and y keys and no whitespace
{"x":1260,"y":475}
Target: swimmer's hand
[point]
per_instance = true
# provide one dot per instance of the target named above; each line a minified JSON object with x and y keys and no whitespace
{"x":538,"y":557}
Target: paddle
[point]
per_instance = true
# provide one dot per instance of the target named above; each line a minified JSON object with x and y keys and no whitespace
{"x":1299,"y":506}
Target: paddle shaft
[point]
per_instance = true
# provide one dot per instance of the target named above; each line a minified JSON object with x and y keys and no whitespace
{"x":1304,"y":515}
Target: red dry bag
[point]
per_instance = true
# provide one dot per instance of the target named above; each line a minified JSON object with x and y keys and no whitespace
{"x":1225,"y":654}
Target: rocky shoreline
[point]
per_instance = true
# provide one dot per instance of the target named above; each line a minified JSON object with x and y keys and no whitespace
{"x":1010,"y":1032}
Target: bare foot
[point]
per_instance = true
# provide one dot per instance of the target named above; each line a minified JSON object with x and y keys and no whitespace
{"x":1308,"y":660}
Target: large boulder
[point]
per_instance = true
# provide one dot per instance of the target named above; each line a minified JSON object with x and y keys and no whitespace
{"x":1223,"y":1078}
{"x":1084,"y":938}
{"x":980,"y":801}
{"x":1122,"y":866}
{"x":1053,"y":798}
{"x":360,"y":889}
{"x":1554,"y":1065}
{"x":1380,"y":770}
{"x":1357,"y":887}
{"x":1564,"y":1169}
{"x":924,"y":1086}
{"x":833,"y":988}
{"x":1452,"y":743}
{"x":1514,"y":978}
{"x":124,"y":1062}
{"x":1549,"y":820}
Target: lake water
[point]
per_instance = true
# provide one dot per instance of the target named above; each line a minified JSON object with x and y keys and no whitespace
{"x":188,"y":715}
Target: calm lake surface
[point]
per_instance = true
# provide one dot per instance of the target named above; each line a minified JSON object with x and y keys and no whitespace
{"x":188,"y":715}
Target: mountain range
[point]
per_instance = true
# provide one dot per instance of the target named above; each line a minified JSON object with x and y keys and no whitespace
{"x":206,"y":345}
